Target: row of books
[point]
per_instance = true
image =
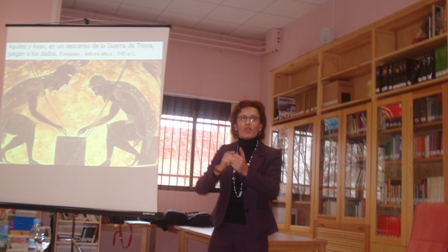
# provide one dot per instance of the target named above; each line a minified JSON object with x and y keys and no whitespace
{"x":428,"y":145}
{"x":392,"y":149}
{"x":356,"y":152}
{"x":433,"y":25}
{"x":328,"y":207}
{"x":389,"y":226}
{"x":389,"y":116}
{"x":355,"y":208}
{"x":80,"y":217}
{"x":88,"y":234}
{"x":407,"y":72}
{"x":356,"y":123}
{"x":330,"y":127}
{"x":398,"y":74}
{"x":15,"y":225}
{"x":17,"y":243}
{"x":429,"y":190}
{"x":390,"y":192}
{"x":437,"y":22}
{"x":306,"y":102}
{"x":427,"y":109}
{"x":285,"y":107}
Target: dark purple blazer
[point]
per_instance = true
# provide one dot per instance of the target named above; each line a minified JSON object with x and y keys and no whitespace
{"x":261,"y":184}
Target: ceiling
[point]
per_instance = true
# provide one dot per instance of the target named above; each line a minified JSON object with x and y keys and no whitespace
{"x":246,"y":19}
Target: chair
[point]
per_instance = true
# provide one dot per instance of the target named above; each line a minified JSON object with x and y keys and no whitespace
{"x":429,"y":228}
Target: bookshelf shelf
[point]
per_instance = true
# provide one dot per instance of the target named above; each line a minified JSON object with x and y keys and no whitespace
{"x":344,"y":105}
{"x":294,"y":118}
{"x":389,"y":205}
{"x":413,"y":51}
{"x":298,"y":90}
{"x":428,"y":160}
{"x":298,"y":203}
{"x":362,"y":69}
{"x":372,"y":176}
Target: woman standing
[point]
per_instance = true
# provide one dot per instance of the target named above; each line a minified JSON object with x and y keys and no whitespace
{"x":249,"y":176}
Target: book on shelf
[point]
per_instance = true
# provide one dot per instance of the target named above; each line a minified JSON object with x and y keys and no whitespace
{"x":403,"y":73}
{"x":390,"y":192}
{"x":429,"y":189}
{"x":425,"y":30}
{"x":88,"y":234}
{"x":355,"y":208}
{"x":438,"y":25}
{"x":394,"y":191}
{"x":79,"y":216}
{"x":356,"y":123}
{"x":425,"y":69}
{"x":388,"y":225}
{"x":393,"y":148}
{"x":306,"y":102}
{"x":330,"y":127}
{"x":428,"y":145}
{"x":384,"y":84}
{"x":93,"y":217}
{"x":284,"y":107}
{"x":18,"y":243}
{"x":382,"y":193}
{"x":441,"y":61}
{"x":390,"y":116}
{"x":398,"y":74}
{"x":378,"y":79}
{"x":432,"y":25}
{"x":65,"y":216}
{"x":406,"y":72}
{"x":427,"y":109}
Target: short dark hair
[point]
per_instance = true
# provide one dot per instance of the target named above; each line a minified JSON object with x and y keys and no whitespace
{"x":244,"y":104}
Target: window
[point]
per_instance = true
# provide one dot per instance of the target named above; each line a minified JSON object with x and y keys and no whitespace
{"x":191,"y":131}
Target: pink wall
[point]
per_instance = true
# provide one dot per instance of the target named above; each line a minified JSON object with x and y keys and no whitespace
{"x":199,"y":71}
{"x":24,"y":12}
{"x":211,"y":73}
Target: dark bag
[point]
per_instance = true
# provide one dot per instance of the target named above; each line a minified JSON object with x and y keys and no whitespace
{"x":112,"y":219}
{"x":198,"y":219}
{"x":174,"y":217}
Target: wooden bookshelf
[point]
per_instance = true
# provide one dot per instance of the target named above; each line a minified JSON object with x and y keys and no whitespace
{"x":401,"y":134}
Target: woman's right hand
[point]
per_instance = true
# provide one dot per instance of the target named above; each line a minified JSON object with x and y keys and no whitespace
{"x":225,"y":161}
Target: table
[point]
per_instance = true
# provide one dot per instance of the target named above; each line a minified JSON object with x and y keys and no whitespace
{"x":277,"y":242}
{"x":148,"y":233}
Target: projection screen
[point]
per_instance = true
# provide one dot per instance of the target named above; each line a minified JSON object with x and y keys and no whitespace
{"x":80,"y":113}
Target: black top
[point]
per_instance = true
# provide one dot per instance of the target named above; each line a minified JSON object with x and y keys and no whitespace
{"x":235,"y":209}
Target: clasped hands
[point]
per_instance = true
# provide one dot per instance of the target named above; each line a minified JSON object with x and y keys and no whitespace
{"x":235,"y":160}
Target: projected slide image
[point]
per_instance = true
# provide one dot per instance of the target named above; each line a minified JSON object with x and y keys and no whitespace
{"x":80,"y":112}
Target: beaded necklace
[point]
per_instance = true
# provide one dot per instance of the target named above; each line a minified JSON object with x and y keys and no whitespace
{"x":240,"y":193}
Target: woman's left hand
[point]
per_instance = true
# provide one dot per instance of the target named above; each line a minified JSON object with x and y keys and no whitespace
{"x":239,"y":162}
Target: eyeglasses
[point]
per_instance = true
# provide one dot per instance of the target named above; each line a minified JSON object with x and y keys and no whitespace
{"x":251,"y":118}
